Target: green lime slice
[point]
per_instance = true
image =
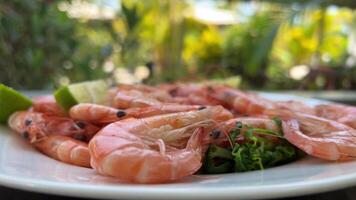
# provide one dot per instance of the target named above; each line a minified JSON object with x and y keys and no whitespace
{"x":84,"y":92}
{"x":11,"y":101}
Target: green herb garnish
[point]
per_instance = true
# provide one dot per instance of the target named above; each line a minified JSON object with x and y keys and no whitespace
{"x":234,"y":133}
{"x":218,"y":160}
{"x":255,"y":153}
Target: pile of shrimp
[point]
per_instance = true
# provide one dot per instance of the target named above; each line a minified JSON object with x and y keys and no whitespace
{"x":146,"y":134}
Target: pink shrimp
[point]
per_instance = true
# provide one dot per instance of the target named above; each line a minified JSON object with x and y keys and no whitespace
{"x":317,"y":136}
{"x":296,"y":106}
{"x":100,"y":114}
{"x":341,"y":113}
{"x":243,"y":103}
{"x":129,"y":96}
{"x":182,"y":90}
{"x":47,"y":104}
{"x":252,"y":104}
{"x":133,"y":98}
{"x":142,"y":150}
{"x":193,"y":94}
{"x":256,"y":122}
{"x":65,"y":149}
{"x":95,"y":113}
{"x":219,"y":135}
{"x":148,"y":91}
{"x":54,"y":136}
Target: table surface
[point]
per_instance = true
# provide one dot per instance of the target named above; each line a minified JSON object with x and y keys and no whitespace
{"x":14,"y":194}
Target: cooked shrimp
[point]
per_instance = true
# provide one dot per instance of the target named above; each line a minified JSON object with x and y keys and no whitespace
{"x":296,"y":106}
{"x":132,"y":99}
{"x":148,"y":91}
{"x":140,"y":87}
{"x":65,"y":149}
{"x":220,"y":133}
{"x":252,"y":104}
{"x":341,"y":113}
{"x":129,"y":96}
{"x":182,"y":90}
{"x":34,"y":126}
{"x":243,"y":103}
{"x":47,"y":104}
{"x":193,"y":94}
{"x":100,"y":114}
{"x":141,"y":150}
{"x":95,"y":113}
{"x":255,"y":122}
{"x":57,"y":137}
{"x":317,"y":136}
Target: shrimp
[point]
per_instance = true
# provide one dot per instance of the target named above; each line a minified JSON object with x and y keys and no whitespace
{"x":296,"y":106}
{"x":241,"y":102}
{"x":142,"y":150}
{"x":253,"y":104}
{"x":128,"y":96}
{"x":182,"y":90}
{"x":100,"y":114}
{"x":256,"y":122}
{"x":341,"y":113}
{"x":65,"y":149}
{"x":57,"y":137}
{"x":133,"y":98}
{"x":47,"y":104}
{"x":191,"y":94}
{"x":219,"y":135}
{"x":96,"y":113}
{"x":318,"y":137}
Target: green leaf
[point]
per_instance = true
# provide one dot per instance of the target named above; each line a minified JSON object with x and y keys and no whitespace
{"x":218,"y":160}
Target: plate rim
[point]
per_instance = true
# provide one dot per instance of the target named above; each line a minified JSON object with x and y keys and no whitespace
{"x":131,"y":191}
{"x":142,"y":191}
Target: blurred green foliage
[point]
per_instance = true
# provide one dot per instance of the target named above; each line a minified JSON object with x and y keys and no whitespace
{"x":38,"y":43}
{"x":36,"y":40}
{"x":41,"y":46}
{"x":247,"y":52}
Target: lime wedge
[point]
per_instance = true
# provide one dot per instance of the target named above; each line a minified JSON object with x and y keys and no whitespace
{"x":11,"y":101}
{"x":84,"y":92}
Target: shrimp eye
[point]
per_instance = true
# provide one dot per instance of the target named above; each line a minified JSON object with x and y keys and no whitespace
{"x":215,"y":133}
{"x":120,"y":113}
{"x":25,"y":135}
{"x":81,"y":124}
{"x":27,"y":122}
{"x":80,"y":137}
{"x":201,"y":107}
{"x":173,"y":91}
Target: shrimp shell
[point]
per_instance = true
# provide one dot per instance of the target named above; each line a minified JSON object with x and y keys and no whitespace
{"x":134,"y":149}
{"x":318,"y":137}
{"x":54,"y":135}
{"x":100,"y":114}
{"x":341,"y":113}
{"x":65,"y":149}
{"x":47,"y":104}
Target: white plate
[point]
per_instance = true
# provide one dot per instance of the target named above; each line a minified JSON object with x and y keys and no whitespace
{"x":24,"y":168}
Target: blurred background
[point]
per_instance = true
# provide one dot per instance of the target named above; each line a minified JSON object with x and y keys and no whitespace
{"x":263,"y":45}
